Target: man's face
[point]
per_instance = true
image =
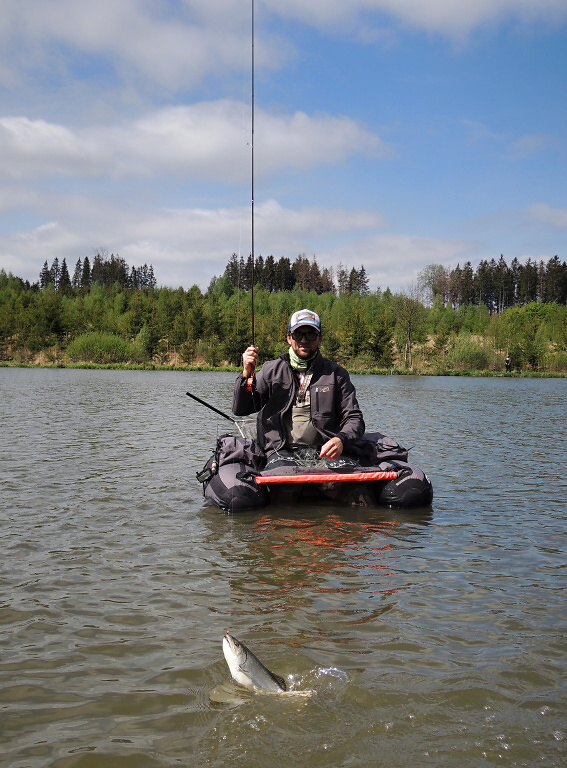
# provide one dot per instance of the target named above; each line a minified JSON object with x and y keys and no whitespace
{"x":304,"y":341}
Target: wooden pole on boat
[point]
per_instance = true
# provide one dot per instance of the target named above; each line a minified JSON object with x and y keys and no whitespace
{"x":253,"y":277}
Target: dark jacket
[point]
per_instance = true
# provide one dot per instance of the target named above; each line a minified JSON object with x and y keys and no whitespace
{"x":334,"y":408}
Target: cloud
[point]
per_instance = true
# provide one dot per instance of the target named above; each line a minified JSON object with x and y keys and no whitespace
{"x":479,"y":133}
{"x":185,"y":245}
{"x":206,"y":140}
{"x":454,"y":18}
{"x":189,"y":245}
{"x":170,"y":44}
{"x":281,"y":231}
{"x":393,"y":260}
{"x":545,"y":214}
{"x":31,"y":148}
{"x":177,"y":44}
{"x":534,"y":144}
{"x":521,"y":148}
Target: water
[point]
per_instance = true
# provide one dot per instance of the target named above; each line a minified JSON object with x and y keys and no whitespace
{"x":433,"y":638}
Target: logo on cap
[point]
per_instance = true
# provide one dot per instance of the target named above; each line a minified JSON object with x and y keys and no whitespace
{"x":304,"y":317}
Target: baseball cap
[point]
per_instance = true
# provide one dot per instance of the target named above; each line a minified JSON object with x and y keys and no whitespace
{"x":304,"y":317}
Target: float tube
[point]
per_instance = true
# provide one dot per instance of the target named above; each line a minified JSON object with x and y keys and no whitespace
{"x":238,"y":477}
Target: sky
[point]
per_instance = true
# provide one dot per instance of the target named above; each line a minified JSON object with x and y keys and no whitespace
{"x":389,"y":134}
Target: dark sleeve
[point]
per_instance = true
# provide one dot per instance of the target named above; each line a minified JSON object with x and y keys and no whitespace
{"x":352,"y":425}
{"x":243,"y":400}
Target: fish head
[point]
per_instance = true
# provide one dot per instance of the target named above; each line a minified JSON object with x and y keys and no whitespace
{"x":235,"y":655}
{"x":234,"y":651}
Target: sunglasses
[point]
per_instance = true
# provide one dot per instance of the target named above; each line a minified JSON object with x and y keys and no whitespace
{"x":309,"y":336}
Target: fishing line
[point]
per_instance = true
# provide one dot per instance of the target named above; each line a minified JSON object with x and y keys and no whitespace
{"x":252,"y":182}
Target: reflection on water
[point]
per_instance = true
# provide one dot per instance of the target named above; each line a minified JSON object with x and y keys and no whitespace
{"x":294,"y":561}
{"x":434,"y":637}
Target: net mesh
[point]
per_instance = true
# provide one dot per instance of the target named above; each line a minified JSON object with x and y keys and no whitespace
{"x":308,"y":457}
{"x":246,"y":428}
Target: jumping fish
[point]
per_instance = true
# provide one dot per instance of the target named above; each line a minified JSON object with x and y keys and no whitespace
{"x":247,"y":670}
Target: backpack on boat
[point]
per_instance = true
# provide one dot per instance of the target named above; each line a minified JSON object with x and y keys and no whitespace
{"x":374,"y":447}
{"x":227,"y":483}
{"x":411,"y":488}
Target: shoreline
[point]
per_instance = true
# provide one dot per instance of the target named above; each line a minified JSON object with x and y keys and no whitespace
{"x":234,"y":369}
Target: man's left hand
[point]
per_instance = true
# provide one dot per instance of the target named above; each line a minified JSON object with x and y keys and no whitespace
{"x":332,"y":449}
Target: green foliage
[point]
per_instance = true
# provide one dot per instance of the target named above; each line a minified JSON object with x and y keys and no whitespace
{"x":355,"y":332}
{"x":381,"y":342}
{"x":102,"y":348}
{"x":410,"y":325}
{"x":467,"y":355}
{"x":115,"y":323}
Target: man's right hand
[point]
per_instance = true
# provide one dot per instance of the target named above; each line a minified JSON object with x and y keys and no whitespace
{"x":249,"y":362}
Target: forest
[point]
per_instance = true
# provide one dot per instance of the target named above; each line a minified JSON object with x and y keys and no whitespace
{"x":459,"y":321}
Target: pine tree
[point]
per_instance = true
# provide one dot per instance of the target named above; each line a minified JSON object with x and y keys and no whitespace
{"x":302,"y":272}
{"x":55,"y":272}
{"x":97,"y":272}
{"x":134,"y":279}
{"x":285,"y":276}
{"x":315,"y":283}
{"x":249,"y":273}
{"x":342,"y":279}
{"x":556,"y":283}
{"x":455,"y":287}
{"x":363,"y":283}
{"x":269,"y":274}
{"x":76,"y":282}
{"x":44,"y":276}
{"x":528,"y":282}
{"x":64,"y":285}
{"x":232,"y":270}
{"x":86,"y":279}
{"x":467,"y":284}
{"x":327,"y":283}
{"x":259,"y":271}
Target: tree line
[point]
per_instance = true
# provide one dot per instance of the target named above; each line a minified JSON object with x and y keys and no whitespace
{"x":495,"y":284}
{"x":105,"y":270}
{"x":116,"y":318}
{"x":274,"y":275}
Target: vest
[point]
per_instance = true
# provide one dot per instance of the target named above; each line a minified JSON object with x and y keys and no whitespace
{"x":299,"y":427}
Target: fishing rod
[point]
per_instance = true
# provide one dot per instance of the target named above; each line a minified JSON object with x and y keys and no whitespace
{"x":252,"y":184}
{"x":220,"y":413}
{"x":212,"y":408}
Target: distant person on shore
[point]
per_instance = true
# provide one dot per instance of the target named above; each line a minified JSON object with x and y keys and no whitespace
{"x":508,"y":363}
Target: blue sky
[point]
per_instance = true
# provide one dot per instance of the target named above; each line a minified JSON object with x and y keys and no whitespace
{"x":389,"y":133}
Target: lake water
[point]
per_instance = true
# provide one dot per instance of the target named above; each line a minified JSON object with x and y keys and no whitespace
{"x":432,"y":638}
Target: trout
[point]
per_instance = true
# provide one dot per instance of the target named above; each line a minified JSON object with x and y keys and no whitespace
{"x":247,"y":670}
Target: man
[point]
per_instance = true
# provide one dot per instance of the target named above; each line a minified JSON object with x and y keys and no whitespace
{"x":305,"y":399}
{"x":508,"y":363}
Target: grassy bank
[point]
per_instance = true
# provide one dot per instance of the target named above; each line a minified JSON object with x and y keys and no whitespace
{"x":235,"y":369}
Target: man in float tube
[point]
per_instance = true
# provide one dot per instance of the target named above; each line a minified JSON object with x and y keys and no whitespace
{"x":305,"y":399}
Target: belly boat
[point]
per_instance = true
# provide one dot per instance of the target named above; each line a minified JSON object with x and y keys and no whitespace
{"x":238,"y":477}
